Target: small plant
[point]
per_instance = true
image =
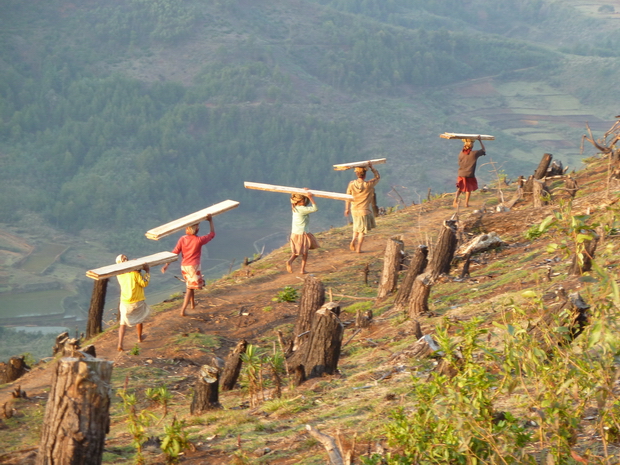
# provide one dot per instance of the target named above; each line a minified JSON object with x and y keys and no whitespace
{"x":288,"y":294}
{"x":135,"y":350}
{"x":137,"y":422}
{"x":268,"y":308}
{"x":160,"y":396}
{"x":175,"y":440}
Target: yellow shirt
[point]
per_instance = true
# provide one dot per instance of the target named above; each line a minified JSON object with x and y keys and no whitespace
{"x":363,"y":193}
{"x":132,"y":286}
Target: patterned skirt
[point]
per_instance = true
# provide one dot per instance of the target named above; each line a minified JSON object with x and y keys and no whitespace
{"x":192,"y":277}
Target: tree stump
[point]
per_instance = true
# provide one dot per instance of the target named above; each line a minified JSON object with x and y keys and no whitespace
{"x":583,"y":262}
{"x":322,"y":351}
{"x":540,"y":193}
{"x":206,"y":390}
{"x":443,"y":252}
{"x":418,"y":304}
{"x":95,"y":311}
{"x":416,"y":266}
{"x":14,"y":369}
{"x":392,"y":261}
{"x":77,"y":413}
{"x":363,"y":319}
{"x":571,"y":186}
{"x":232,"y":368}
{"x":312,"y":298}
{"x":572,"y":313}
{"x":66,"y":346}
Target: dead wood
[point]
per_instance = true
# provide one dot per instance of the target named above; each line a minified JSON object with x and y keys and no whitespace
{"x":14,"y":369}
{"x":417,"y":265}
{"x":77,"y":413}
{"x":418,"y":303}
{"x":363,"y":319}
{"x":444,"y":249}
{"x":322,"y":351}
{"x":232,"y":367}
{"x":95,"y":311}
{"x":583,"y":262}
{"x":392,"y":261}
{"x":571,"y":313}
{"x":206,"y":395}
{"x":334,"y":453}
{"x":312,"y":298}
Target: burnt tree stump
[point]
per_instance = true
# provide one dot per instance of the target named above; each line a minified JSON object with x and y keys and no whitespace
{"x":444,"y":249}
{"x":322,"y":351}
{"x":572,"y":313}
{"x":206,"y":390}
{"x":312,"y":298}
{"x":232,"y":368}
{"x":418,"y":304}
{"x":95,"y":311}
{"x":14,"y":369}
{"x":582,"y":262}
{"x":392,"y":261}
{"x":416,"y":266}
{"x":77,"y":413}
{"x":543,"y":166}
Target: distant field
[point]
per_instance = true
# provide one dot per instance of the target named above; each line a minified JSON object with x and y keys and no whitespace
{"x":41,"y":303}
{"x":42,"y":257}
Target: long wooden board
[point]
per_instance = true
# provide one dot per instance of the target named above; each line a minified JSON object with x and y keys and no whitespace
{"x":131,"y":265}
{"x":296,"y":190}
{"x":453,"y":135}
{"x":355,"y":164}
{"x":182,"y":223}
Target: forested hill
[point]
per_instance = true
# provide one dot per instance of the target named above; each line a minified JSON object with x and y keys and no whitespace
{"x":125,"y":113}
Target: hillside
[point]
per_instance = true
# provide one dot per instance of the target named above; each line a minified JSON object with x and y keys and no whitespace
{"x":558,"y":409}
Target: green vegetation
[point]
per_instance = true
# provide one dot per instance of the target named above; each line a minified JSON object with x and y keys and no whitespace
{"x":288,"y":294}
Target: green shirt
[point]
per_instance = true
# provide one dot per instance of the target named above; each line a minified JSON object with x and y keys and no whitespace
{"x":301,"y":219}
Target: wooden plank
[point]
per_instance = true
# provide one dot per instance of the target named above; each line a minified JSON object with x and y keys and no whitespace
{"x":131,"y":265}
{"x":453,"y":135}
{"x":297,"y":190}
{"x":182,"y":223}
{"x":348,"y":166}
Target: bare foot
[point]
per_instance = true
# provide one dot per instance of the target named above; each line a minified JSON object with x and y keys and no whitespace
{"x":120,"y":349}
{"x":288,"y":267}
{"x":183,"y":313}
{"x":303,"y":272}
{"x":352,"y":247}
{"x":142,"y":338}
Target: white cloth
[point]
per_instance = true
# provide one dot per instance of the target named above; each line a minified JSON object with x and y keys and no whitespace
{"x":135,"y":313}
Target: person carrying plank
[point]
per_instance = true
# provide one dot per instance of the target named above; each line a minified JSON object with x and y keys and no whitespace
{"x":466,"y":178}
{"x":190,"y":247}
{"x":133,"y":307}
{"x":301,"y":239}
{"x":361,"y":207}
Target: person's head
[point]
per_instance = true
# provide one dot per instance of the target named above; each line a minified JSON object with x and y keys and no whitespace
{"x":299,"y":199}
{"x":121,"y":258}
{"x":192,"y":230}
{"x":360,"y":172}
{"x":467,"y":145}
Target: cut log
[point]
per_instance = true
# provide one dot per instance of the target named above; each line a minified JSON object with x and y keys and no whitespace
{"x":312,"y":298}
{"x":444,"y":249}
{"x":418,"y":303}
{"x":392,"y":261}
{"x":297,"y":190}
{"x":480,"y":244}
{"x":95,"y":311}
{"x":206,"y":390}
{"x":333,"y":451}
{"x":355,"y":164}
{"x":132,"y":265}
{"x":453,"y":135}
{"x":189,"y":220}
{"x":424,"y":347}
{"x":77,"y":413}
{"x":14,"y":369}
{"x":322,"y":351}
{"x":232,"y":368}
{"x":417,"y":265}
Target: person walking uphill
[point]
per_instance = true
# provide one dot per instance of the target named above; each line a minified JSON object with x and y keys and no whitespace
{"x":466,"y":179}
{"x":301,"y":240}
{"x":361,"y":208}
{"x":190,"y":247}
{"x":133,"y":307}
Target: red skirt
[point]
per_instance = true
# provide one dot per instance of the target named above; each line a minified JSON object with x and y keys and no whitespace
{"x":466,"y":184}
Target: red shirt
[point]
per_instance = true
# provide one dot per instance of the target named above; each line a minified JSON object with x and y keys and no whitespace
{"x":190,"y":246}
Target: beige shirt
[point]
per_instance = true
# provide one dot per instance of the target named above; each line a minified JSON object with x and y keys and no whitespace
{"x":363,"y":193}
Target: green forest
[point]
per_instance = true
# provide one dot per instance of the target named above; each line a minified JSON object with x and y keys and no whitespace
{"x":82,"y":143}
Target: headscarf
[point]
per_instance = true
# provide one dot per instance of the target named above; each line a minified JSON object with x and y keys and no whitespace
{"x":468,"y":144}
{"x":121,"y":258}
{"x":192,"y":230}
